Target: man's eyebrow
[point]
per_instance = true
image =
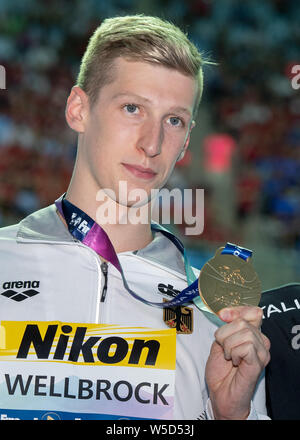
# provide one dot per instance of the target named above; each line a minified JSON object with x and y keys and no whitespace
{"x":142,"y":98}
{"x":182,"y":110}
{"x":131,"y":95}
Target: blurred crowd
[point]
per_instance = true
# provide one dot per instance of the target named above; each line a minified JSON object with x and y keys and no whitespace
{"x":250,"y":95}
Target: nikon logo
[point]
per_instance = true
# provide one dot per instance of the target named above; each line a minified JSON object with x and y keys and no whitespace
{"x":110,"y":350}
{"x":10,"y":292}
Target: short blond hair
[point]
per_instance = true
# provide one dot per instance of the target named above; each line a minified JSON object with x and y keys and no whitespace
{"x":137,"y":38}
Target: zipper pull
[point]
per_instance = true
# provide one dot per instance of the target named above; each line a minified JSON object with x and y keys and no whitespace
{"x":104,"y":289}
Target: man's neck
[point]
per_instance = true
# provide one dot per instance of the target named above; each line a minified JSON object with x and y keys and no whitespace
{"x":116,"y":220}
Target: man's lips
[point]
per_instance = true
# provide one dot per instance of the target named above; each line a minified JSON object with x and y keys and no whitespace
{"x":139,"y":171}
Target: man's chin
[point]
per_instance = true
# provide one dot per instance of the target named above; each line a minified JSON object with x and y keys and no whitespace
{"x":132,"y":204}
{"x":129,"y":197}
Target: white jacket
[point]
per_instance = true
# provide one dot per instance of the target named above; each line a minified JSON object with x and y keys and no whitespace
{"x":40,"y":251}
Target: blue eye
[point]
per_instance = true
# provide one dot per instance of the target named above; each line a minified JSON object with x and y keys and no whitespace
{"x":176,"y":122}
{"x":131,"y":108}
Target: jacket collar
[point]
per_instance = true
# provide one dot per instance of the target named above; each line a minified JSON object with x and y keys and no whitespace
{"x":45,"y":226}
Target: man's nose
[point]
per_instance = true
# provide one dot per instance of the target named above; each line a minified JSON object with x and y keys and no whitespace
{"x":151,"y":138}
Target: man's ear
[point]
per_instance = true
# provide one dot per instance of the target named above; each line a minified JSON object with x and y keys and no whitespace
{"x":77,"y":109}
{"x":186,"y":144}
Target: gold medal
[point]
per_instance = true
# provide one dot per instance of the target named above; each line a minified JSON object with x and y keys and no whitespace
{"x":227,"y":281}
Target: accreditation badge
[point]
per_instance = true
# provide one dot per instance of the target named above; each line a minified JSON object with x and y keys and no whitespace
{"x":66,"y":371}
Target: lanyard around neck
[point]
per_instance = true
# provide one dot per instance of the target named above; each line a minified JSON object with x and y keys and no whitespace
{"x":86,"y":230}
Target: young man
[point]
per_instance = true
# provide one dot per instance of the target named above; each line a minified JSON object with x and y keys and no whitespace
{"x":138,"y":89}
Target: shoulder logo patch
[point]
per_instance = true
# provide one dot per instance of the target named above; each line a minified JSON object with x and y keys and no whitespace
{"x":168,"y":290}
{"x":12,"y":289}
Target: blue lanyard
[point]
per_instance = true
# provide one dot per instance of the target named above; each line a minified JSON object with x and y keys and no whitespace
{"x":86,"y":230}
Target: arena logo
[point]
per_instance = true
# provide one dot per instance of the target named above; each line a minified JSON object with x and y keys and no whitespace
{"x":2,"y":77}
{"x":181,"y":207}
{"x":11,"y":289}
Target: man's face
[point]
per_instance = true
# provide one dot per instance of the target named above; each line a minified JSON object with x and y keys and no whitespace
{"x":137,"y":128}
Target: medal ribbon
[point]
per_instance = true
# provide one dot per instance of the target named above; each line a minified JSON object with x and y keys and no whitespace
{"x":233,"y":249}
{"x":85,"y":229}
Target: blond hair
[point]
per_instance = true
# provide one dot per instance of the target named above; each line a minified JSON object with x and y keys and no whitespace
{"x":137,"y":38}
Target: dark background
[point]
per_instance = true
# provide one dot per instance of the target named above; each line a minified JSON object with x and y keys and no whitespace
{"x":245,"y":149}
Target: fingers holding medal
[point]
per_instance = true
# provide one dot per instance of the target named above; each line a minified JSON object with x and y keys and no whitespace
{"x":241,"y":339}
{"x":230,"y":288}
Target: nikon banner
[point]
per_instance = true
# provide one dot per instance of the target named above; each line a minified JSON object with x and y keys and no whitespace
{"x":53,"y":370}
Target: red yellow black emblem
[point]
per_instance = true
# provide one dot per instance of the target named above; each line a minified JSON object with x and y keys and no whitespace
{"x":180,"y":318}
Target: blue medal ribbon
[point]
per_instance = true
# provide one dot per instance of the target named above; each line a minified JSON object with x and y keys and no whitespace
{"x":232,"y":249}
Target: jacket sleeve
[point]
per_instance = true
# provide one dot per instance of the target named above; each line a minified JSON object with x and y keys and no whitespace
{"x":253,"y":415}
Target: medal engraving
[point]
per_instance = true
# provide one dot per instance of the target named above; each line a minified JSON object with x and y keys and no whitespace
{"x":228,"y":281}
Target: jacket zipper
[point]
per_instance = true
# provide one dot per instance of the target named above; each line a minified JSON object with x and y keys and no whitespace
{"x":104,"y":288}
